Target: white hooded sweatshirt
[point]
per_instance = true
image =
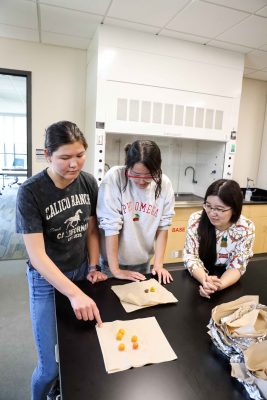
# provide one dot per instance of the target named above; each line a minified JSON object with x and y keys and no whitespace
{"x":134,"y":214}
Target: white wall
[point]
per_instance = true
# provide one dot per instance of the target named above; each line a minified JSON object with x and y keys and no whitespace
{"x":250,"y":130}
{"x":58,"y":84}
{"x":262,"y":176}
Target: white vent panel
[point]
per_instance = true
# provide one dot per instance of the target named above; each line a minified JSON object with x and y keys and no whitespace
{"x":157,"y":113}
{"x":209,"y":119}
{"x":189,"y":116}
{"x":199,"y":118}
{"x":179,"y":115}
{"x":146,"y":111}
{"x":122,"y":109}
{"x":134,"y":111}
{"x":168,"y":114}
{"x":218,"y":119}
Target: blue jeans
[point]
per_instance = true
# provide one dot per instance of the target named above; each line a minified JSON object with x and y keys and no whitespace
{"x":42,"y":309}
{"x":142,"y":268}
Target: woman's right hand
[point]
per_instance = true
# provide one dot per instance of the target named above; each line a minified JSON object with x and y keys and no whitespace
{"x":85,"y":308}
{"x":210,"y":285}
{"x":128,"y":275}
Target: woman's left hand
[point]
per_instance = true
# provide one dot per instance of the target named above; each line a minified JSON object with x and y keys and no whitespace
{"x":96,"y":276}
{"x":163,"y":275}
{"x":210,"y":285}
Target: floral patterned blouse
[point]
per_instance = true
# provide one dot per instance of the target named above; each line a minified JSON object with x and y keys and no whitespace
{"x":234,"y":245}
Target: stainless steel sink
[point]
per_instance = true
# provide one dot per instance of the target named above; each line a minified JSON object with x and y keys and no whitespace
{"x":188,"y":198}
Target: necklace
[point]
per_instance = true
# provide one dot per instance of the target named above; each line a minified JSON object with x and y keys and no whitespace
{"x":224,"y":240}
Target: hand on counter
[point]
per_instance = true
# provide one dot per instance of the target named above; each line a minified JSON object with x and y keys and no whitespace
{"x":129,"y":275}
{"x":163,"y":275}
{"x":96,"y":276}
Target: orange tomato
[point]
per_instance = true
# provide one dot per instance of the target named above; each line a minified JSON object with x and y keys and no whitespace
{"x":121,"y":347}
{"x":119,"y":336}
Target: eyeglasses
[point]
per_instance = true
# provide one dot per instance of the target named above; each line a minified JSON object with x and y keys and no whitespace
{"x":146,"y":177}
{"x":219,"y":211}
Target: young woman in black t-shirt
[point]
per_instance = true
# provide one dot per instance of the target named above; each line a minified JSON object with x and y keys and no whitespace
{"x":56,"y":213}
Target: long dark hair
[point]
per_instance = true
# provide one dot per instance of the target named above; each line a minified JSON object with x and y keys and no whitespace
{"x":230,"y":194}
{"x":148,"y":153}
{"x":60,"y":133}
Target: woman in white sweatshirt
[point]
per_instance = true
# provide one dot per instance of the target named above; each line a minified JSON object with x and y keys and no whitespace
{"x":134,"y":209}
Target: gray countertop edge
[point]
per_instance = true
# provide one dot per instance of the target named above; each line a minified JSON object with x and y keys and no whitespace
{"x":187,"y":204}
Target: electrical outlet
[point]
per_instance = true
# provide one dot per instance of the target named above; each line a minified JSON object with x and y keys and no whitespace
{"x":176,"y":254}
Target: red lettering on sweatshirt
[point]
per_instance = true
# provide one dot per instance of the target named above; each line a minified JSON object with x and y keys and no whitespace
{"x":141,"y":207}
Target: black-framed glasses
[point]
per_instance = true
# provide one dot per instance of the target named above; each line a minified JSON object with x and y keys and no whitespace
{"x":219,"y":211}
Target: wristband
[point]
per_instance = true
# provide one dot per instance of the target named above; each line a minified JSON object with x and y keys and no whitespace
{"x":92,"y":268}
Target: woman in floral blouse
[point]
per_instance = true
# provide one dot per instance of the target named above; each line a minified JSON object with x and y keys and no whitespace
{"x":219,"y":239}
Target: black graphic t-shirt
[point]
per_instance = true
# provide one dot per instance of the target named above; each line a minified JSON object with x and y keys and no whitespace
{"x":60,"y":214}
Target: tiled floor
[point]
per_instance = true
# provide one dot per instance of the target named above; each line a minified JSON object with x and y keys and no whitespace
{"x":17,"y":352}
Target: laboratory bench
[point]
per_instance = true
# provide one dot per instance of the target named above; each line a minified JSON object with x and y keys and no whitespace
{"x":200,"y":372}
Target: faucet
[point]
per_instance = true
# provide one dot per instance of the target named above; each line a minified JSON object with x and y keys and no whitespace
{"x":249,"y":180}
{"x":193,"y":169}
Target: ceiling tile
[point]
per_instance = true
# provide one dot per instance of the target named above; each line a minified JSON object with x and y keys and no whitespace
{"x":18,"y":12}
{"x":59,"y":20}
{"x":95,"y":7}
{"x":256,"y":59}
{"x":252,"y":32}
{"x":244,"y":5}
{"x":261,"y":75}
{"x":65,"y":40}
{"x":224,"y":24}
{"x":204,"y":19}
{"x":183,"y":36}
{"x":263,"y":12}
{"x":15,"y":32}
{"x":131,"y":25}
{"x":149,"y":12}
{"x":230,"y":46}
{"x":249,"y":70}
